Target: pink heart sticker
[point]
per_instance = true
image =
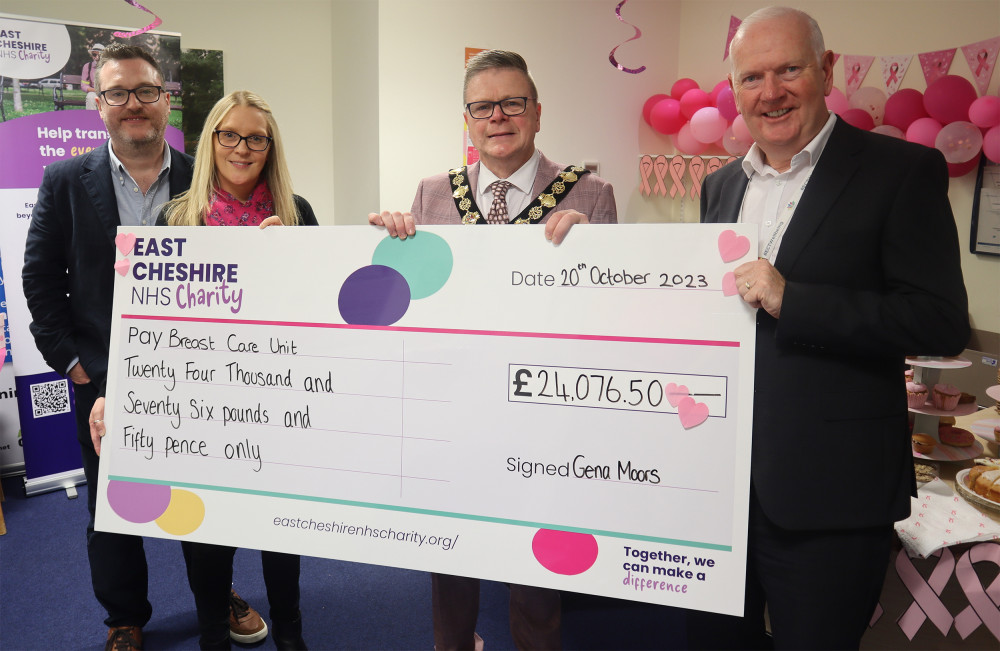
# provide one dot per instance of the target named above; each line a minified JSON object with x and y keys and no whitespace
{"x":122,"y":266}
{"x":729,"y":284}
{"x":125,"y":242}
{"x":732,"y":246}
{"x":675,"y":393}
{"x":692,"y":413}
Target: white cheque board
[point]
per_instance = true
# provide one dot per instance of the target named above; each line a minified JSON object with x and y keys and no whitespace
{"x":473,"y":401}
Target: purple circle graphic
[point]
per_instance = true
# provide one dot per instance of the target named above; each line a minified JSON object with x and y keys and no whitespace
{"x":374,"y":295}
{"x":136,"y":502}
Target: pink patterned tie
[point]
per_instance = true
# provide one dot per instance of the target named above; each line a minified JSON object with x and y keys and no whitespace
{"x":498,"y":211}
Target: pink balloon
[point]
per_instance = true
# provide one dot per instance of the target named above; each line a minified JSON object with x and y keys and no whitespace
{"x":870,"y":99}
{"x":859,"y":118}
{"x":948,"y":99}
{"x":889,"y":130}
{"x":836,"y":101}
{"x":647,"y":107}
{"x":985,"y":112}
{"x":733,"y":145}
{"x":693,"y":100}
{"x":991,"y":144}
{"x":961,"y":169}
{"x":666,"y":116}
{"x":727,"y":104}
{"x":959,"y":141}
{"x":741,"y":132}
{"x":903,"y":107}
{"x":682,"y":86}
{"x":708,"y":125}
{"x":686,"y":143}
{"x":719,"y":87}
{"x":923,"y":131}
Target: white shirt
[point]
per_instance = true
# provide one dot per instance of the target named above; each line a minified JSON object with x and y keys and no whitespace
{"x":771,"y":196}
{"x":519,"y":192}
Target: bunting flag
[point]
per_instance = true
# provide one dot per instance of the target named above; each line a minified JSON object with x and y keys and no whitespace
{"x":855,"y":69}
{"x":734,"y":24}
{"x":936,"y":64}
{"x":893,"y":69}
{"x":982,"y":57}
{"x":836,"y":58}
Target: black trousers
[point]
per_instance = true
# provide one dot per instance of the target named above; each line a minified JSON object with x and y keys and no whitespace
{"x":820,"y":588}
{"x":118,"y":567}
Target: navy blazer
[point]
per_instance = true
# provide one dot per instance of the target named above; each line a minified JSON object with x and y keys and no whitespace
{"x":872,"y":271}
{"x":69,"y":258}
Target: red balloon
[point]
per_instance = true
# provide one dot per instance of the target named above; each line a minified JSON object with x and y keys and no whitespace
{"x":693,"y":100}
{"x":903,"y":107}
{"x":682,"y":86}
{"x":948,"y":99}
{"x":647,"y":108}
{"x":666,"y":116}
{"x":961,"y":169}
{"x":859,"y":118}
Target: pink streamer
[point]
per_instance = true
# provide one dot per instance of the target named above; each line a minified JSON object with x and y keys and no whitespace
{"x":677,"y":173}
{"x":645,"y":167}
{"x":638,"y":34}
{"x":926,"y":594}
{"x":660,"y":167}
{"x":984,"y":605}
{"x":696,"y":169}
{"x":153,"y":25}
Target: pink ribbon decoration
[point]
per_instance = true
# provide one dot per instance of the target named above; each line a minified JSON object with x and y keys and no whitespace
{"x":696,"y":170}
{"x":936,"y":64}
{"x":645,"y":167}
{"x":638,"y":34}
{"x":855,"y":70}
{"x":984,"y":605}
{"x":713,"y":164}
{"x":153,"y":25}
{"x":660,"y":168}
{"x":677,"y":165}
{"x":893,"y":69}
{"x":926,"y":594}
{"x":982,"y":57}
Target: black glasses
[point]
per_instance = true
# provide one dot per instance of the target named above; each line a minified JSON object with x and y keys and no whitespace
{"x":510,"y":107}
{"x":231,"y":140}
{"x":119,"y":96}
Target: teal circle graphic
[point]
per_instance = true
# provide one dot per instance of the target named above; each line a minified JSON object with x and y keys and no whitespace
{"x":423,"y":259}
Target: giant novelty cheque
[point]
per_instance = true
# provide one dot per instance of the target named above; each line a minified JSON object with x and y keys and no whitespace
{"x":474,"y":401}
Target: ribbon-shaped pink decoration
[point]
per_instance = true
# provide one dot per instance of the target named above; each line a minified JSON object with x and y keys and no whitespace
{"x":892,"y":74}
{"x":855,"y":69}
{"x":153,"y":25}
{"x":645,"y":167}
{"x":696,"y":170}
{"x":984,"y":605}
{"x":713,"y":164}
{"x":926,"y":594}
{"x":638,"y":33}
{"x":660,"y":167}
{"x":677,"y":165}
{"x":982,"y":57}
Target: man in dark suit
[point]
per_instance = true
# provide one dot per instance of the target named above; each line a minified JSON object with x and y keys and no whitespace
{"x":68,"y":280}
{"x":503,"y":115}
{"x":857,"y":269}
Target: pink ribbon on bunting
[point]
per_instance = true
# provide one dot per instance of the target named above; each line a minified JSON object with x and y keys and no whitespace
{"x":983,"y":56}
{"x":855,"y":69}
{"x":696,"y":170}
{"x":677,"y":173}
{"x":984,"y":605}
{"x":892,"y":74}
{"x":660,"y":167}
{"x":638,"y":34}
{"x":153,"y":25}
{"x":645,"y":167}
{"x":926,"y":594}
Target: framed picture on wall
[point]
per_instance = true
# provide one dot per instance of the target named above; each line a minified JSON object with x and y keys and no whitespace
{"x":985,"y":235}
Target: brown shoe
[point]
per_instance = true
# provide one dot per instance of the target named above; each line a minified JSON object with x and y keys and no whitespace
{"x":245,"y":624}
{"x":124,"y":638}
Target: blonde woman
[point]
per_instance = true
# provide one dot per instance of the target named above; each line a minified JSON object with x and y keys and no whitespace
{"x":241,"y":179}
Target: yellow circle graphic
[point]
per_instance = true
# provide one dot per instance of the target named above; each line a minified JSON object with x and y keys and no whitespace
{"x":184,"y":514}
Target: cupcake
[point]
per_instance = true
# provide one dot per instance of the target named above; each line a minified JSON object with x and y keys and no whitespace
{"x":908,"y":375}
{"x":945,"y":397}
{"x":916,"y":394}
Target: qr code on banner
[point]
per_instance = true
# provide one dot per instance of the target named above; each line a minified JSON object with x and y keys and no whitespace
{"x":50,"y":398}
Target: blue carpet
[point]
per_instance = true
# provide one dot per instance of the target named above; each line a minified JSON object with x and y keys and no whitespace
{"x":46,"y":600}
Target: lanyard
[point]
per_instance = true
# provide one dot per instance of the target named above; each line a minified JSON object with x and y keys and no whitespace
{"x":784,"y":216}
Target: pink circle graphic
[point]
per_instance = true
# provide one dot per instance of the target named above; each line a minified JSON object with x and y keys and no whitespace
{"x":564,"y":552}
{"x":137,"y":502}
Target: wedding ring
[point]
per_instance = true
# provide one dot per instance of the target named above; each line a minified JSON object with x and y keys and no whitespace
{"x":747,"y":283}
{"x":97,"y":421}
